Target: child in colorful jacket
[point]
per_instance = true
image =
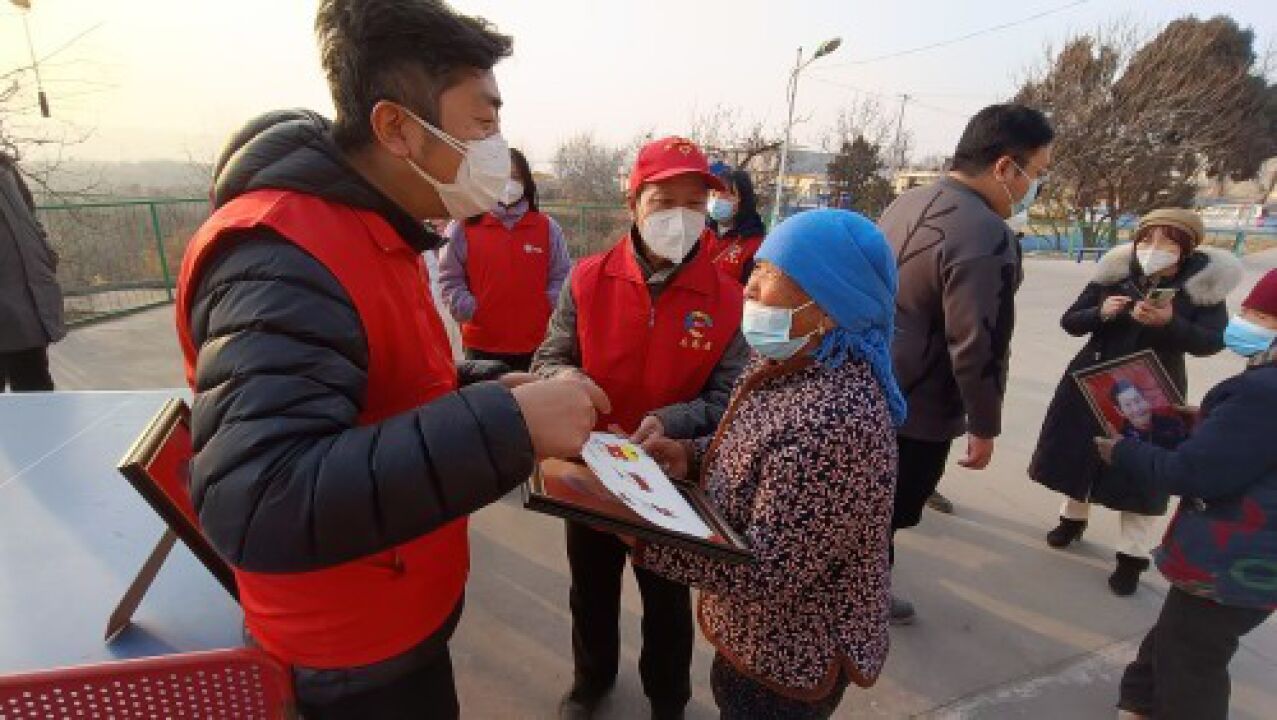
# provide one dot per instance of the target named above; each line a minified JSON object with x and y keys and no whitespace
{"x":1220,"y":551}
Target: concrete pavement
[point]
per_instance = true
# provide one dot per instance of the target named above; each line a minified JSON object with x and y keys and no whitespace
{"x":1008,"y":628}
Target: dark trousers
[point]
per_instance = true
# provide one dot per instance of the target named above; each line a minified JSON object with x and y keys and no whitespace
{"x":922,"y":464}
{"x":25,"y":370}
{"x":427,"y":692}
{"x":517,"y":363}
{"x":740,"y":697}
{"x":597,"y":560}
{"x":1181,"y":670}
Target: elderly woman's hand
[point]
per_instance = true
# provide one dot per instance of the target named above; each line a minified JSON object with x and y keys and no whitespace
{"x":671,"y":455}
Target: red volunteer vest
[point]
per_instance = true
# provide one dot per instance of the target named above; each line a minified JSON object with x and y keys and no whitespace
{"x":647,"y":356}
{"x":731,"y":255}
{"x":378,"y":606}
{"x":508,"y":271}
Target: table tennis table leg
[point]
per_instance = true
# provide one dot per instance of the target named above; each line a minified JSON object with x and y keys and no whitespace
{"x":128,"y":604}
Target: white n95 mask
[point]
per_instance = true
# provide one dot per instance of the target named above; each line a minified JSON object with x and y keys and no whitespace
{"x":671,"y":234}
{"x":481,"y":177}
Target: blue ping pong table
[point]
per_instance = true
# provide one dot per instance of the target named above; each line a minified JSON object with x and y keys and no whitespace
{"x":73,"y":534}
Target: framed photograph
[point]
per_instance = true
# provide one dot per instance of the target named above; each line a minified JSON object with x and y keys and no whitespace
{"x":158,"y":468}
{"x":1133,"y":397}
{"x":613,"y":488}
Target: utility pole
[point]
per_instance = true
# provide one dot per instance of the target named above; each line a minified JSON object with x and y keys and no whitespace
{"x":899,"y":149}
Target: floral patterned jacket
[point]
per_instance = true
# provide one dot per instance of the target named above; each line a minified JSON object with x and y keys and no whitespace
{"x":803,"y":468}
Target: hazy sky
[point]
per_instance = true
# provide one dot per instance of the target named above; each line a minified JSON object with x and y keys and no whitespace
{"x":172,"y":78}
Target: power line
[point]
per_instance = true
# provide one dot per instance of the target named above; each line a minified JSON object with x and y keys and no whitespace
{"x":962,"y":38}
{"x":913,"y":97}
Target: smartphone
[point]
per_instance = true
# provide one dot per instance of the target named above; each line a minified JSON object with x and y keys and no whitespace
{"x":1160,"y":297}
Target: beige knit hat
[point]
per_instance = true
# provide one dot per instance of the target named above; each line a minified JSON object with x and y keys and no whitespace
{"x":1178,"y":218}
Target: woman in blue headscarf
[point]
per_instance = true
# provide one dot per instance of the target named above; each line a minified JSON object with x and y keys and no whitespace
{"x":803,"y":467}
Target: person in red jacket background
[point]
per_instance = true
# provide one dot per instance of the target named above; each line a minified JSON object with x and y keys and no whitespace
{"x":738,"y":228}
{"x":501,"y":273}
{"x":657,"y":326}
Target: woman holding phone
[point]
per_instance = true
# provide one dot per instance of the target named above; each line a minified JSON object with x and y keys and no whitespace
{"x":1163,"y":292}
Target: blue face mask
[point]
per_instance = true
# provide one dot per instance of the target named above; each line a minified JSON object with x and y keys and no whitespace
{"x":766,"y":329}
{"x":1022,"y":206}
{"x":1246,"y":338}
{"x":721,"y":209}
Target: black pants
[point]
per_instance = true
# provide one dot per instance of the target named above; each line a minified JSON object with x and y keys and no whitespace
{"x":25,"y":370}
{"x":428,"y":692}
{"x":1181,"y":670}
{"x":922,"y":464}
{"x":517,"y":363}
{"x":740,"y":697}
{"x":597,"y":560}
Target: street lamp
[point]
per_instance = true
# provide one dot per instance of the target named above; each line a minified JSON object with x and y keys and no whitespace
{"x":25,"y":6}
{"x":825,"y":48}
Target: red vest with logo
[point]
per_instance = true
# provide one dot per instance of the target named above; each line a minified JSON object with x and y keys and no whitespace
{"x":649,"y":355}
{"x":508,"y":271}
{"x":731,"y":255}
{"x":378,"y":606}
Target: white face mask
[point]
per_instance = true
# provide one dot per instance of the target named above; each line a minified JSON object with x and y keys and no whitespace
{"x":671,"y":234}
{"x":512,"y":193}
{"x":1154,"y":260}
{"x":481,"y":177}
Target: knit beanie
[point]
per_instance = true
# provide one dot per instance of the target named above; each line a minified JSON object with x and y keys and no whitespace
{"x":1264,"y":297}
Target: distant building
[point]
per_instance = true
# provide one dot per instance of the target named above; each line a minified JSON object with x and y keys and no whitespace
{"x":910,"y":178}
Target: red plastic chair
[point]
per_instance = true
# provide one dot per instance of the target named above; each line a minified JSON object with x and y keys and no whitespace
{"x":240,"y":684}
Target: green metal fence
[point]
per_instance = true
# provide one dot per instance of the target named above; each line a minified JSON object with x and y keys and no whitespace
{"x":119,"y":256}
{"x":123,"y":256}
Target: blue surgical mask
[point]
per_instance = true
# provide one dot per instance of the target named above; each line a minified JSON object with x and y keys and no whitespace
{"x":767,"y":329}
{"x":1247,"y":338}
{"x":721,"y":209}
{"x":1022,"y":206}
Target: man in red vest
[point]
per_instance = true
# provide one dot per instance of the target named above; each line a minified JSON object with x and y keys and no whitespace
{"x":336,"y":460}
{"x":656,"y":325}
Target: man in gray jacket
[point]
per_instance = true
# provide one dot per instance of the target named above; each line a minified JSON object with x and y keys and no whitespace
{"x":959,"y":271}
{"x":30,"y":298}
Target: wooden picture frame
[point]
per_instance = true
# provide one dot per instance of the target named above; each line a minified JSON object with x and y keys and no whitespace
{"x":157,"y":466}
{"x":570,"y":490}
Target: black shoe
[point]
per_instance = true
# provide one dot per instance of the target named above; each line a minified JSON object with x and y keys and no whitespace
{"x":902,"y":612}
{"x":577,"y":705}
{"x":667,"y":712}
{"x":1066,"y":533}
{"x":1126,"y":577}
{"x":940,"y":503}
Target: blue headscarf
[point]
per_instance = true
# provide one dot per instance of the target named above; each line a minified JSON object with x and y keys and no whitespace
{"x":842,"y":260}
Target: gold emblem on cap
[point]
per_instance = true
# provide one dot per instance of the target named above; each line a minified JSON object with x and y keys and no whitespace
{"x":683,"y":145}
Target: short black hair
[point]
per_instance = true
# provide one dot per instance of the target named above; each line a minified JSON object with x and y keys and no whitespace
{"x":408,"y":51}
{"x":1122,"y":386}
{"x":998,"y":130}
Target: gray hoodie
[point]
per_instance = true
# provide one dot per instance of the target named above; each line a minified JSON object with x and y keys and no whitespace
{"x":960,"y":267}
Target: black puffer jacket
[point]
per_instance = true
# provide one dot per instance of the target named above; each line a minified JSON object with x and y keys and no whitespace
{"x":1065,"y":459}
{"x":282,"y":478}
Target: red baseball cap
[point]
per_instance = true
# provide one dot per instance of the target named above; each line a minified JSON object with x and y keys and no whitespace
{"x":668,"y":157}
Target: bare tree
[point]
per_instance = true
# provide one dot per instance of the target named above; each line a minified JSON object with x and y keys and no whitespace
{"x":726,"y":134}
{"x":1138,"y":122}
{"x":588,"y":170}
